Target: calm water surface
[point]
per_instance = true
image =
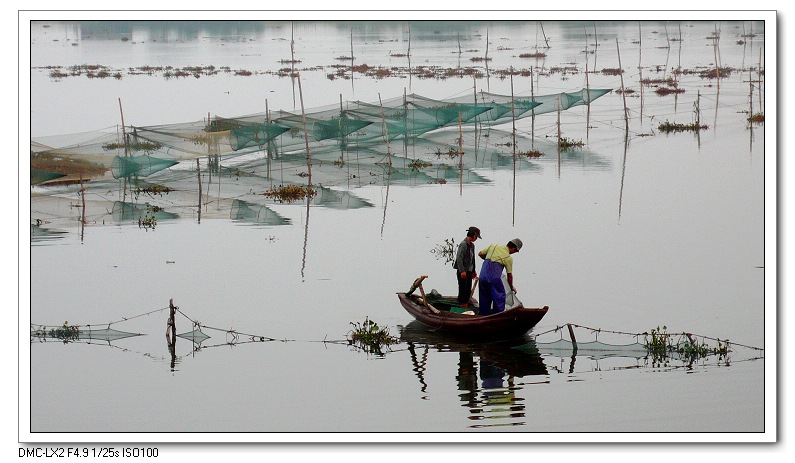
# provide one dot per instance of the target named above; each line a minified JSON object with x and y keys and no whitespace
{"x":663,"y":230}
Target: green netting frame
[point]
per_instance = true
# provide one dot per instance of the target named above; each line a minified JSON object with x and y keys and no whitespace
{"x":141,"y":166}
{"x":258,"y":135}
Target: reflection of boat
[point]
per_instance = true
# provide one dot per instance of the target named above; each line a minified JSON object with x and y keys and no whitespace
{"x":511,"y":323}
{"x":516,"y":357}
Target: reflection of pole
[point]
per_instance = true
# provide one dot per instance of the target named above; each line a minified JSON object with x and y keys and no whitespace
{"x":306,"y":237}
{"x":623,"y":170}
{"x":386,"y":199}
{"x":199,"y":175}
{"x":419,"y":366}
{"x":171,"y":333}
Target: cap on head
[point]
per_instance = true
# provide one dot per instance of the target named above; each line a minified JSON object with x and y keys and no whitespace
{"x":516,"y":242}
{"x":475,"y":231}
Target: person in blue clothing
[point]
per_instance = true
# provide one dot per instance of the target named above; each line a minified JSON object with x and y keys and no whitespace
{"x":496,"y":258}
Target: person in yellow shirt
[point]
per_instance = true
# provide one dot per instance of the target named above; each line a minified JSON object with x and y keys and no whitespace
{"x":492,"y":291}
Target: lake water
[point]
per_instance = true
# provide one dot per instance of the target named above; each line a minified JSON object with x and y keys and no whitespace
{"x":623,"y":235}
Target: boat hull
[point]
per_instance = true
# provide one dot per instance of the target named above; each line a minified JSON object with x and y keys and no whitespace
{"x":508,"y":324}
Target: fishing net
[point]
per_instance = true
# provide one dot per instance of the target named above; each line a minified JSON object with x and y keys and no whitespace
{"x":140,"y":151}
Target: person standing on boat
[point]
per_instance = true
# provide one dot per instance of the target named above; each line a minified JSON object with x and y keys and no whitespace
{"x":492,"y":290}
{"x":465,"y":265}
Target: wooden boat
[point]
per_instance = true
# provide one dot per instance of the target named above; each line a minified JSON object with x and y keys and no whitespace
{"x":440,"y":314}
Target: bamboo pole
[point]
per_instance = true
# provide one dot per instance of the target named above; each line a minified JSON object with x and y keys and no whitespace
{"x":460,"y":156}
{"x":171,"y":327}
{"x":386,"y":130}
{"x":623,"y":90}
{"x":123,"y":129}
{"x":306,"y":133}
{"x":199,"y":175}
{"x":352,"y":57}
{"x":573,"y":339}
{"x":513,"y":142}
{"x":292,"y":58}
{"x":533,"y":113}
{"x":408,"y":56}
{"x":546,"y":41}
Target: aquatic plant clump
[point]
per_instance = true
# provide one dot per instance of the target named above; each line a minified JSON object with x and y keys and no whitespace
{"x":419,"y":164}
{"x":756,"y":118}
{"x":370,"y":337}
{"x":660,"y":344}
{"x":668,"y":127}
{"x":66,"y":333}
{"x":446,"y":250}
{"x":290,"y":193}
{"x":566,"y":143}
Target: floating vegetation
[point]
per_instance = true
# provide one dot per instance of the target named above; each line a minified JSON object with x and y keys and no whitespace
{"x":419,"y":164}
{"x":566,"y":143}
{"x":451,"y":152}
{"x":715,"y":73}
{"x":660,"y":344}
{"x":668,"y":127}
{"x":446,"y":250}
{"x":153,"y":190}
{"x":148,"y":220}
{"x":145,"y":146}
{"x":531,"y":153}
{"x":66,"y":333}
{"x":370,"y":337}
{"x":650,"y":82}
{"x":612,"y":71}
{"x":68,"y":166}
{"x":533,"y":55}
{"x":57,"y":74}
{"x":290,"y":193}
{"x":662,"y":91}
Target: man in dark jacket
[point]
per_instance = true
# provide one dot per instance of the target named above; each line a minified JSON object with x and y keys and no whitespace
{"x":465,"y":265}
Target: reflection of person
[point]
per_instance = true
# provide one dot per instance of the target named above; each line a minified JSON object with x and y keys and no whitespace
{"x":492,"y":291}
{"x":467,"y":378}
{"x":465,"y":265}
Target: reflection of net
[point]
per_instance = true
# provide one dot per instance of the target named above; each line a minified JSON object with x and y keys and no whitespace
{"x":593,"y":349}
{"x":145,"y":150}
